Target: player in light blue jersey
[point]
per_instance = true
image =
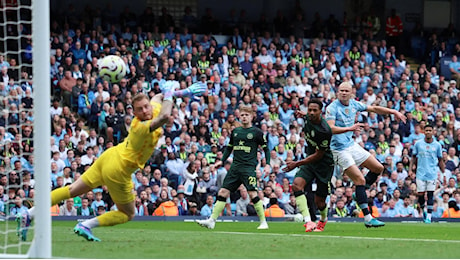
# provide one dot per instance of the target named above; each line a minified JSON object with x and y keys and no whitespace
{"x":427,"y":157}
{"x":341,"y":115}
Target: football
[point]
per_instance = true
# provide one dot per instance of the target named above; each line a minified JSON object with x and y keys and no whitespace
{"x":112,"y":68}
{"x":298,"y":217}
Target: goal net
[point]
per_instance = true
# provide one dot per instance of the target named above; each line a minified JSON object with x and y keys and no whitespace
{"x":24,"y":127}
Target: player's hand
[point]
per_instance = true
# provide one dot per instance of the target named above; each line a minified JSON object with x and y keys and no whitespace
{"x":400,"y":116}
{"x":217,"y":164}
{"x":289,"y":166}
{"x":357,"y":126}
{"x":198,"y":89}
{"x":300,"y":113}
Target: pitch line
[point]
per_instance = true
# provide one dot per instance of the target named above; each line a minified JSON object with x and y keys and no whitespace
{"x":340,"y":237}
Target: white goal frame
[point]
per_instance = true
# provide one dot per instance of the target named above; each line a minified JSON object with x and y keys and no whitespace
{"x":41,"y":242}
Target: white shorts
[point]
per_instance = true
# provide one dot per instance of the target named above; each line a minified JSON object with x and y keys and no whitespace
{"x":353,"y":155}
{"x":423,"y":186}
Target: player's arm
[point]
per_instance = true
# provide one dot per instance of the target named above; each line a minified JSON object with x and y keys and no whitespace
{"x":318,"y":155}
{"x":163,"y":116}
{"x":228,"y":150}
{"x":386,"y":111}
{"x":442,"y":165}
{"x":340,"y":130}
{"x":263,"y":144}
{"x":413,"y":163}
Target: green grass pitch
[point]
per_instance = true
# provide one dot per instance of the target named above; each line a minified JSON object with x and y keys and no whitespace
{"x":242,"y":240}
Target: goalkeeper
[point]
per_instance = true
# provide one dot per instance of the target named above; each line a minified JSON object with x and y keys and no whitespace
{"x":115,"y":166}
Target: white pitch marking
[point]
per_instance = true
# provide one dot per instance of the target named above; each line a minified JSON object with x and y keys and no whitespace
{"x":352,"y":237}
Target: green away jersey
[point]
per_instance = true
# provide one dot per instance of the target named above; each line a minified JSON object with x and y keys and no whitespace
{"x":318,"y":137}
{"x":245,"y":143}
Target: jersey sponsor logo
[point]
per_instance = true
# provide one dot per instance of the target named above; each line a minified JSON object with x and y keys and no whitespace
{"x":242,"y":147}
{"x":250,"y":136}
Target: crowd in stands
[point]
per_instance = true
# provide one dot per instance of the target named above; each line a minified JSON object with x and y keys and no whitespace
{"x":268,"y":66}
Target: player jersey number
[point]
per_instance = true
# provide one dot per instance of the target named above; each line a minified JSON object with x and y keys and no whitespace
{"x":252,"y":180}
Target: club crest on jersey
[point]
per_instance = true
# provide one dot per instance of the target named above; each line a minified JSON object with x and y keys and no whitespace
{"x":250,"y":136}
{"x":428,"y":147}
{"x":347,"y":111}
{"x":312,"y":133}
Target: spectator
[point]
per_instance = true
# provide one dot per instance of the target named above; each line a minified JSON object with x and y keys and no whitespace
{"x":242,"y":203}
{"x":274,"y":210}
{"x":206,"y":210}
{"x":68,"y":208}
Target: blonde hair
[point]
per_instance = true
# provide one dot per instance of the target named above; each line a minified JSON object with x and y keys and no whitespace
{"x":138,"y":97}
{"x":245,"y":108}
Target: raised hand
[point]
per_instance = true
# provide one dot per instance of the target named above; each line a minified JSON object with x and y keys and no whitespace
{"x":400,"y":116}
{"x":289,"y":166}
{"x":197,"y":89}
{"x":300,"y":113}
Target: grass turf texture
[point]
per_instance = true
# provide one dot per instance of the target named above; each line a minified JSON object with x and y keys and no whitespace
{"x":243,"y":240}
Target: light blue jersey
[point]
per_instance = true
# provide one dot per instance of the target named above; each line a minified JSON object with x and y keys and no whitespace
{"x":344,"y":116}
{"x":427,"y":159}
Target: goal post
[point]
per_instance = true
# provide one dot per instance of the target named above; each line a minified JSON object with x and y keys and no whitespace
{"x":41,"y":245}
{"x":27,"y":21}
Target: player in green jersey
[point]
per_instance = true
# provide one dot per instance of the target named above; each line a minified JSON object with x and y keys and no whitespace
{"x":319,"y":165}
{"x":244,"y":142}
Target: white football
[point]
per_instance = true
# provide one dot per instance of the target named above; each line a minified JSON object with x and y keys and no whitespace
{"x":298,"y":217}
{"x":112,"y":68}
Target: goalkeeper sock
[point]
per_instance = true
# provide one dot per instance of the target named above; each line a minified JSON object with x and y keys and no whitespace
{"x":301,"y":202}
{"x":111,"y":218}
{"x":60,"y":194}
{"x":91,"y":223}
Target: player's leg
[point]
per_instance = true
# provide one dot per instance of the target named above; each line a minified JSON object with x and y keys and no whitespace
{"x":301,"y":200}
{"x":221,"y":199}
{"x":431,"y":186}
{"x":421,"y":189}
{"x":322,"y":191}
{"x":120,"y":187}
{"x":345,"y":159}
{"x":364,"y":158}
{"x":249,"y":180}
{"x":302,"y":177}
{"x":259,"y":207}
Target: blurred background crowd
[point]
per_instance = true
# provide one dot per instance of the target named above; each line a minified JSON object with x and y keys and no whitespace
{"x":275,"y":65}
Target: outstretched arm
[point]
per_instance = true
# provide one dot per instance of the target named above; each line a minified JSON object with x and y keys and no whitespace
{"x":318,"y":155}
{"x":163,"y":116}
{"x":386,"y":111}
{"x":340,"y":130}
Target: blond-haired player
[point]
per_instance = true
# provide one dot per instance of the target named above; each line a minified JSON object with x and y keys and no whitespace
{"x":244,"y":142}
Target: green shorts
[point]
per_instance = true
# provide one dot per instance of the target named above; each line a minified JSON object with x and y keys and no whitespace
{"x":322,"y":173}
{"x":234,"y":178}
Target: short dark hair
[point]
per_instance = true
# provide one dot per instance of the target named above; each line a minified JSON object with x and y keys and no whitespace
{"x":316,"y":101}
{"x":427,"y":125}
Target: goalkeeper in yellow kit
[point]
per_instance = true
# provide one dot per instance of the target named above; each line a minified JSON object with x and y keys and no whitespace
{"x":115,"y":166}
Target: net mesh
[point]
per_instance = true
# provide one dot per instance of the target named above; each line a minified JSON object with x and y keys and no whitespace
{"x":16,"y":122}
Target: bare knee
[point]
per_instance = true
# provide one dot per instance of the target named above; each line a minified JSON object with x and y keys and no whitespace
{"x":252,"y":194}
{"x":378,"y":168}
{"x":224,"y":193}
{"x":298,"y":184}
{"x":355,"y":175}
